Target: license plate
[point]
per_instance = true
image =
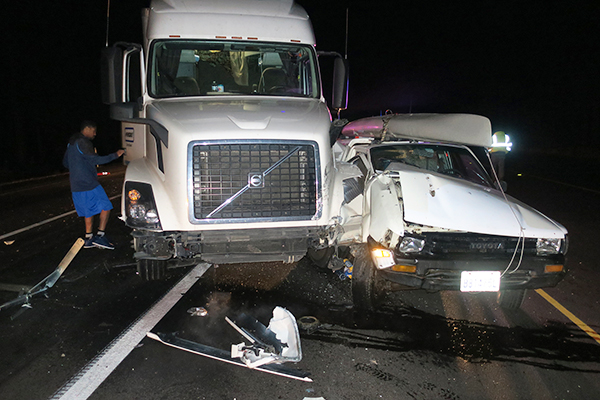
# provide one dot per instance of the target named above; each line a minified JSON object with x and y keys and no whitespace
{"x":480,"y":281}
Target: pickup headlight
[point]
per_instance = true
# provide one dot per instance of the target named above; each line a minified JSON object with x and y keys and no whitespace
{"x":411,"y":245}
{"x":547,"y":246}
{"x":140,"y":207}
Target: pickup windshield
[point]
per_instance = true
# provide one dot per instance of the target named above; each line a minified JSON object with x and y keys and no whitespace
{"x":210,"y":68}
{"x":458,"y":162}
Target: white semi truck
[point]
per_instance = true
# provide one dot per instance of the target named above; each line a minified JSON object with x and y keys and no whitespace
{"x":227,"y":132}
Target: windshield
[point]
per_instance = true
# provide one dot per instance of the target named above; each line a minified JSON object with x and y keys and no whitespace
{"x":458,"y":162}
{"x":209,"y":68}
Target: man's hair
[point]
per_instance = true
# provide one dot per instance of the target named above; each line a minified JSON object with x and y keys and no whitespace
{"x":88,"y":124}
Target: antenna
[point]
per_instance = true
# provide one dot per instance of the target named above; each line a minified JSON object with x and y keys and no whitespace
{"x":107,"y":20}
{"x":346,"y":49}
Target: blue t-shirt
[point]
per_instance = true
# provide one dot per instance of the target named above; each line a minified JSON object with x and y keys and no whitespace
{"x":81,"y":160}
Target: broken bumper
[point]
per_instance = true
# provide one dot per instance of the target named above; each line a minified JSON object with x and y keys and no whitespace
{"x":446,"y":274}
{"x":230,"y":246}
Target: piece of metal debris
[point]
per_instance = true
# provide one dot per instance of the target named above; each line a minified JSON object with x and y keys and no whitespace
{"x":268,"y":346}
{"x":173,"y":340}
{"x":8,"y":242}
{"x":46,"y":283}
{"x":198,"y":312}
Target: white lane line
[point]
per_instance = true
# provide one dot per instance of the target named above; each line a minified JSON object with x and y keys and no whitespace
{"x":9,"y":234}
{"x":82,"y":385}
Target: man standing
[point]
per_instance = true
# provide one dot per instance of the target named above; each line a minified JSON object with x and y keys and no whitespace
{"x":89,"y":197}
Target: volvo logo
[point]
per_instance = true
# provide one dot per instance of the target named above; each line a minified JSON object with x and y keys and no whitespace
{"x":256,"y":180}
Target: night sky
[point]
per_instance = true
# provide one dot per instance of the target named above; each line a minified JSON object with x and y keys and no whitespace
{"x":532,"y":67}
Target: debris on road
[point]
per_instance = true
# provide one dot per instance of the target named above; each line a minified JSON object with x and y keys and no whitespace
{"x":269,"y":346}
{"x":277,"y":343}
{"x":198,"y":312}
{"x":46,"y":283}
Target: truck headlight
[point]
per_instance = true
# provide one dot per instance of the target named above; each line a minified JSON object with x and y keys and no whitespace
{"x":411,"y":245}
{"x":140,"y":207}
{"x":547,"y":246}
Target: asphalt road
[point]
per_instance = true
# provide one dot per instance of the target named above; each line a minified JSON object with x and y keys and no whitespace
{"x":416,"y":346}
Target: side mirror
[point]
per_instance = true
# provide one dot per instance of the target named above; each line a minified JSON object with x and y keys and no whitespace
{"x":339,"y":96}
{"x":340,"y":84}
{"x":124,"y":111}
{"x":111,"y":74}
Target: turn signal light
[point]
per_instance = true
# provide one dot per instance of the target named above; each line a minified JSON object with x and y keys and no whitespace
{"x":405,"y":268}
{"x":553,"y":268}
{"x":134,"y":195}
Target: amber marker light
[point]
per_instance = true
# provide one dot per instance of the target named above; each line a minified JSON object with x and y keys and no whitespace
{"x":405,"y":268}
{"x":134,"y":195}
{"x":553,"y":268}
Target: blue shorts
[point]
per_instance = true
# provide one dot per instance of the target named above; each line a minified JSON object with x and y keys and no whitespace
{"x":91,"y":202}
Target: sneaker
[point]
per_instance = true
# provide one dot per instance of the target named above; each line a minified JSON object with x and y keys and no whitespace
{"x":103,"y":243}
{"x":89,"y":243}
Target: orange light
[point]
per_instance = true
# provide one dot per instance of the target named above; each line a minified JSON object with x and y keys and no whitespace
{"x":134,"y":195}
{"x":553,"y":268}
{"x":296,"y":41}
{"x":382,"y":253}
{"x":405,"y":268}
{"x":221,"y":37}
{"x":174,"y":35}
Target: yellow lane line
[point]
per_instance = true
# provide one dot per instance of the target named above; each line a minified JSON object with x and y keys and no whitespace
{"x":582,"y":325}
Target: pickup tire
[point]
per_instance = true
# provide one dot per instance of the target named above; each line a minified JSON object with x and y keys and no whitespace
{"x":511,"y":299}
{"x":364,"y":278}
{"x":152,"y":270}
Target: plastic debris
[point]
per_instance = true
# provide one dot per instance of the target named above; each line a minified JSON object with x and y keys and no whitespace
{"x":277,"y":343}
{"x":198,"y":312}
{"x":8,"y":242}
{"x":342,"y":268}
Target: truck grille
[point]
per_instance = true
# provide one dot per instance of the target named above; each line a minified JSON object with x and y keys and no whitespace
{"x":457,"y":243}
{"x":243,"y":180}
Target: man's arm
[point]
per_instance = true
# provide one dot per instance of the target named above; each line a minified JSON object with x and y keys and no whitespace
{"x":86,"y":148}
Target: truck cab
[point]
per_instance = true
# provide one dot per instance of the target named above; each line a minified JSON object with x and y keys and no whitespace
{"x":229,"y":154}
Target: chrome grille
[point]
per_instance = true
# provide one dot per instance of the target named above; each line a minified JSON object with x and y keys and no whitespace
{"x":233,"y":181}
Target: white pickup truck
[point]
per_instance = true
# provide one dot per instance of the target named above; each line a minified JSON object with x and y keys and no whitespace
{"x":420,"y":211}
{"x":227,"y":133}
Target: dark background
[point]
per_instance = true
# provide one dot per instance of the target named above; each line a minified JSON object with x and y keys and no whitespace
{"x":531,"y":67}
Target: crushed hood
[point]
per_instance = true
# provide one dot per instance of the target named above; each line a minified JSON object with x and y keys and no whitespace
{"x":438,"y":201}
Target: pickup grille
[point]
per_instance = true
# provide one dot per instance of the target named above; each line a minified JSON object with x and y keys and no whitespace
{"x":258,"y":181}
{"x":457,"y":243}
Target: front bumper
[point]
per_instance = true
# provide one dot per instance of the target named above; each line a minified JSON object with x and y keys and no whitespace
{"x":438,"y":274}
{"x":228,"y":246}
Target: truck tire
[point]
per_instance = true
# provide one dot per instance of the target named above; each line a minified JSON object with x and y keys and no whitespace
{"x":511,"y":299}
{"x":152,"y":270}
{"x":364,"y":276}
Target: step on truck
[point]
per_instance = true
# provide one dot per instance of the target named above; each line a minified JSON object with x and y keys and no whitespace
{"x":227,"y":133}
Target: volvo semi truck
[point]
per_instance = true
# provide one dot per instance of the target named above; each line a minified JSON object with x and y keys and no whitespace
{"x":228,"y":133}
